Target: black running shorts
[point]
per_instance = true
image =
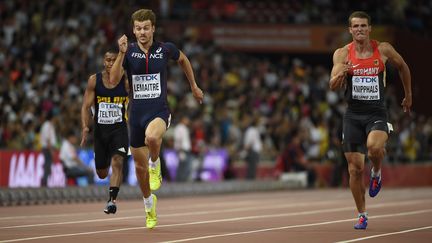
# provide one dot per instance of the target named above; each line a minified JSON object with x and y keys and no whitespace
{"x":139,"y":119}
{"x":108,"y":142}
{"x":356,"y":128}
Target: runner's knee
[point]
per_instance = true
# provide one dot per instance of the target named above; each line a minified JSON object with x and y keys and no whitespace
{"x":355,"y":171}
{"x":117,"y":163}
{"x":375,"y":151}
{"x":102,"y":173}
{"x":152,"y":141}
{"x":141,"y":168}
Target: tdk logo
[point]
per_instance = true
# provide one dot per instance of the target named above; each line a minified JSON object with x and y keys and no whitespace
{"x":138,"y":55}
{"x":366,"y":79}
{"x":148,"y":77}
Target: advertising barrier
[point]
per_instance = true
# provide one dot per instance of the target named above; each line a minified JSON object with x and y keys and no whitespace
{"x":211,"y":168}
{"x":25,"y":168}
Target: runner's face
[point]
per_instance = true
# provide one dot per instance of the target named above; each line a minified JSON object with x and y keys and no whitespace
{"x":143,"y":31}
{"x":109,"y":59}
{"x":359,"y":29}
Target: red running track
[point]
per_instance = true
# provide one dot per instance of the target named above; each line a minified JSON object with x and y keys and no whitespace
{"x":395,"y":215}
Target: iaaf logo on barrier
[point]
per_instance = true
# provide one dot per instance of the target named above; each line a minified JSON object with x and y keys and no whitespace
{"x":26,"y":170}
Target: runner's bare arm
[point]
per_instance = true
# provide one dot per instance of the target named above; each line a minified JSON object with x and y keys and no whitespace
{"x":88,"y":101}
{"x":185,"y":64}
{"x":117,"y":69}
{"x":404,"y":72}
{"x":340,"y":68}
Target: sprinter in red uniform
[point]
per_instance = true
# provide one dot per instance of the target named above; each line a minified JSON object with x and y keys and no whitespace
{"x":359,"y":68}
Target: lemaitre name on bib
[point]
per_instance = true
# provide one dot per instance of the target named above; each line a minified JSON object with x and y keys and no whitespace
{"x":146,"y":86}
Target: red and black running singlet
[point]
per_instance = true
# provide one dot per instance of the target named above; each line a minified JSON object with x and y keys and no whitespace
{"x":365,"y":81}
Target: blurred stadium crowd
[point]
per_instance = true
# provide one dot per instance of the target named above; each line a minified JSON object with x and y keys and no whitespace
{"x":414,"y":15}
{"x":48,"y":49}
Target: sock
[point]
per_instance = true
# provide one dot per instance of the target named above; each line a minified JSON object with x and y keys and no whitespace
{"x":113,"y":191}
{"x":375,"y":174}
{"x":153,"y":164}
{"x":148,"y":202}
{"x":364,"y":214}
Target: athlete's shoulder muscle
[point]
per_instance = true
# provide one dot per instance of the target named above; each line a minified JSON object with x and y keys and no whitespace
{"x":91,"y":83}
{"x":340,"y":55}
{"x":386,"y":49}
{"x":388,"y":52}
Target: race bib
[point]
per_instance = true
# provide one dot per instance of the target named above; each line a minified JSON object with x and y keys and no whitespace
{"x":109,"y":113}
{"x":146,"y":86}
{"x":365,"y":88}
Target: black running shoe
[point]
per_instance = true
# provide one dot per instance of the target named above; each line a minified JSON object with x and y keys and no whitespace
{"x":110,"y":208}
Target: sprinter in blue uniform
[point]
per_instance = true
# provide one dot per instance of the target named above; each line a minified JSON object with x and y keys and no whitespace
{"x":111,"y":143}
{"x":145,"y":63}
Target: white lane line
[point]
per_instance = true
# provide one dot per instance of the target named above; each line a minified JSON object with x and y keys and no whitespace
{"x":70,"y":222}
{"x":172,"y":215}
{"x":396,"y":196}
{"x":241,"y":203}
{"x":71,"y":234}
{"x":210,"y":212}
{"x":296,"y":226}
{"x":387,"y":234}
{"x":228,"y":220}
{"x":203,"y":205}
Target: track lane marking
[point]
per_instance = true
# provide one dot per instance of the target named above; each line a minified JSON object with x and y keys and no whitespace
{"x":236,"y":219}
{"x":340,"y":195}
{"x":171,"y":215}
{"x":386,"y":234}
{"x":244,"y":201}
{"x":241,"y":203}
{"x":207,"y":212}
{"x":303,"y":225}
